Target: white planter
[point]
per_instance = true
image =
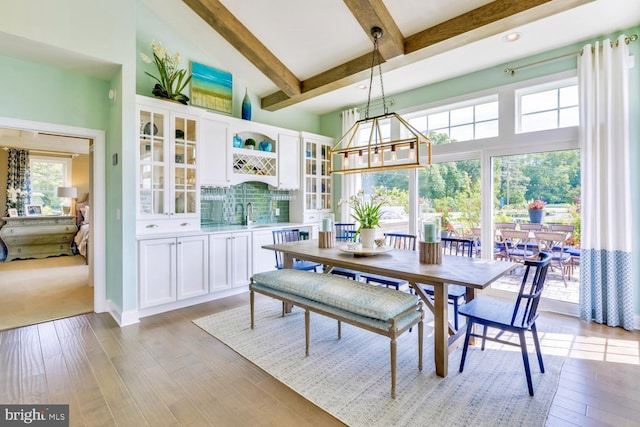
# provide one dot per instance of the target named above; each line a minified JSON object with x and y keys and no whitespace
{"x":367,"y":237}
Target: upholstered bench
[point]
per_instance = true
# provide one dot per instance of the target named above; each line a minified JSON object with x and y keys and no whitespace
{"x":384,"y":311}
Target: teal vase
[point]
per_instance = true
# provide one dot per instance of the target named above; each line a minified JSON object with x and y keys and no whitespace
{"x":246,"y":107}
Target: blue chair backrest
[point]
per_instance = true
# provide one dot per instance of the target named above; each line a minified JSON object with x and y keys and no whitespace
{"x":458,"y":246}
{"x":283,"y":236}
{"x":345,"y":232}
{"x":526,"y":307}
{"x":401,"y":241}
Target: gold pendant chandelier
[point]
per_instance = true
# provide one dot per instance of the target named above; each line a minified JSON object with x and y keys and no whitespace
{"x":368,"y":147}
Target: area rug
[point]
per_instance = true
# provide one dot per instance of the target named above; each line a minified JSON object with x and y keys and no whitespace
{"x":350,"y":378}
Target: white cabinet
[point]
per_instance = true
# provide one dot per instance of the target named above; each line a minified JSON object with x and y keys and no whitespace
{"x":313,"y":201}
{"x":288,"y":161}
{"x":230,"y":260}
{"x":167,"y":179}
{"x":263,"y":259}
{"x":173,"y":268}
{"x":215,"y":153}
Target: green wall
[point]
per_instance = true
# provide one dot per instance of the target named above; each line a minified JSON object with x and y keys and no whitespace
{"x":151,"y":27}
{"x":38,"y":92}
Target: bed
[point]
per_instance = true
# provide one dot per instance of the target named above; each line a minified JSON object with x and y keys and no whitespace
{"x":82,"y":221}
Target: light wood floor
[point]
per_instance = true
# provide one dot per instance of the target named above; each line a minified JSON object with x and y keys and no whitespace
{"x":37,"y":290}
{"x":165,"y":371}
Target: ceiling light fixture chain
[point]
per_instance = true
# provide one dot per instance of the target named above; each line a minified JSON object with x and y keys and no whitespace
{"x":392,"y":142}
{"x":376,"y":33}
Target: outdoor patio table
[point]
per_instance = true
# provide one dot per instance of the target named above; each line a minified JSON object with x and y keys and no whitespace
{"x":474,"y":273}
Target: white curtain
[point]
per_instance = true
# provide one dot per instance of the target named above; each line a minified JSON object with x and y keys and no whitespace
{"x":606,"y":290}
{"x":351,"y":183}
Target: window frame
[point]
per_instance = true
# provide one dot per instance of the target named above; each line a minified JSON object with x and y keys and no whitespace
{"x":66,"y":162}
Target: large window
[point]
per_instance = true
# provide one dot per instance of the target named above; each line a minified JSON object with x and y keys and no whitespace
{"x":47,"y":174}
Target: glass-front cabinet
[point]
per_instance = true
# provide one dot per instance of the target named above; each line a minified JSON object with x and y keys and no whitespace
{"x":167,"y":175}
{"x":313,"y":202}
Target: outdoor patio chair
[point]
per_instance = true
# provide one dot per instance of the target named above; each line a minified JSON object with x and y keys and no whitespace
{"x":553,"y":244}
{"x":505,"y":225}
{"x":518,"y":246}
{"x":291,"y":235}
{"x":531,"y":227}
{"x":516,"y":318}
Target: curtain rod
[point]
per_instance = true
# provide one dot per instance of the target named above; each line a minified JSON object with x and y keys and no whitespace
{"x":56,"y":153}
{"x":512,"y":70}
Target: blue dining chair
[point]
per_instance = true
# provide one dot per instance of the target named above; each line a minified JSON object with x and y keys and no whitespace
{"x":345,"y":232}
{"x":401,"y":241}
{"x":517,"y":318}
{"x":456,"y":294}
{"x":291,"y":235}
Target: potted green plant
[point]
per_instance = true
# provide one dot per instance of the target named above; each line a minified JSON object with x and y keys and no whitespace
{"x":366,"y":211}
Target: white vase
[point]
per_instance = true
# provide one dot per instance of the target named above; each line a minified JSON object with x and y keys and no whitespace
{"x":367,"y":237}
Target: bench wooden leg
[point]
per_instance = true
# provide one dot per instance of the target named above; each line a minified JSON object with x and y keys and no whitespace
{"x":420,"y":333}
{"x":306,"y":331}
{"x":393,"y":367}
{"x":251,"y":304}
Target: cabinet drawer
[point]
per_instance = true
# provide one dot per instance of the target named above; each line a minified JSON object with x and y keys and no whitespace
{"x":167,"y":225}
{"x":38,"y":239}
{"x":38,"y":230}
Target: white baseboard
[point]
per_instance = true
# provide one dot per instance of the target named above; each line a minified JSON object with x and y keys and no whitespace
{"x":150,"y":311}
{"x":123,"y":318}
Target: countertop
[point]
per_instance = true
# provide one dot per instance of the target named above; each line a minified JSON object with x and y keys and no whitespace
{"x":213,"y":229}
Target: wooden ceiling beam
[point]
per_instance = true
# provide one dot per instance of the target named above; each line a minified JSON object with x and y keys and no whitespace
{"x":505,"y":14}
{"x":373,"y":13}
{"x":222,"y":21}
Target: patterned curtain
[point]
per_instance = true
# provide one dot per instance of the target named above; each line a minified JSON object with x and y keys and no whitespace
{"x":606,"y":289}
{"x":351,"y":183}
{"x":18,"y":180}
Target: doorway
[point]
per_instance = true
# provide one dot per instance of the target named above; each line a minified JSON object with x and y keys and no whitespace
{"x":96,"y":243}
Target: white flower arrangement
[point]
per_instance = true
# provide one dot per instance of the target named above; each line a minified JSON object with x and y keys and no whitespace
{"x":173,"y":79}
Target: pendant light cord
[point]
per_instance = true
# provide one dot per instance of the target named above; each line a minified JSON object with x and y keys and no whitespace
{"x":377,"y":34}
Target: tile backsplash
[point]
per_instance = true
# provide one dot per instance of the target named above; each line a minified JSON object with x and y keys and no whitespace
{"x":228,"y":206}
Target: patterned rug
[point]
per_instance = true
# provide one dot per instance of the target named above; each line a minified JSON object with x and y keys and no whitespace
{"x":350,"y":378}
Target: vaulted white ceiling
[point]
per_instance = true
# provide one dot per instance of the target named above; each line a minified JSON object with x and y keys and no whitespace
{"x":309,"y":38}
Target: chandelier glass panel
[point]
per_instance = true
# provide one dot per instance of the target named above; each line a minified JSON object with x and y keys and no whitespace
{"x":368,"y":145}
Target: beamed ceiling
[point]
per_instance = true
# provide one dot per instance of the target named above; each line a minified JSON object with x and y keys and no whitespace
{"x":414,"y":30}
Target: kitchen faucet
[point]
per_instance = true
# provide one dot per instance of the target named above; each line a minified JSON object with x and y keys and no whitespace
{"x":249,"y":211}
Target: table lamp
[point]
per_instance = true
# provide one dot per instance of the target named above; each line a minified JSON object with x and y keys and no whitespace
{"x":68,"y":193}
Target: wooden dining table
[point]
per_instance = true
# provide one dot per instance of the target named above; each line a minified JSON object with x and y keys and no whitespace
{"x":473,"y":273}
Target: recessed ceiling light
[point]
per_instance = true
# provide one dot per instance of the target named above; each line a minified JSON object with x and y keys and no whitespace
{"x":363,"y":86}
{"x":511,"y":37}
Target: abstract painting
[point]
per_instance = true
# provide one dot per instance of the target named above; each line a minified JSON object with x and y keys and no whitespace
{"x":211,"y":88}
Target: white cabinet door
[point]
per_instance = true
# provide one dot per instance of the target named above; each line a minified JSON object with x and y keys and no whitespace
{"x":263,"y":259}
{"x":219,"y":262}
{"x":288,"y":161}
{"x":192,"y":266}
{"x":229,"y":260}
{"x":242,"y":259}
{"x":215,"y":162}
{"x":157,"y":270}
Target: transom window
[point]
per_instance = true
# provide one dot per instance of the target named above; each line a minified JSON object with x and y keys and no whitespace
{"x":548,"y":107}
{"x":475,"y":119}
